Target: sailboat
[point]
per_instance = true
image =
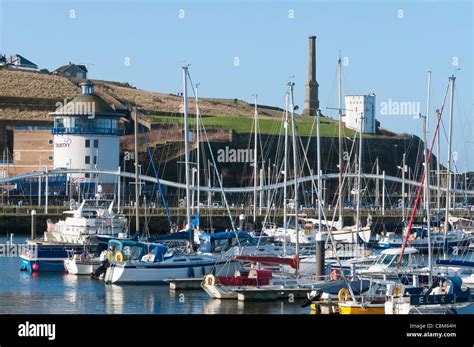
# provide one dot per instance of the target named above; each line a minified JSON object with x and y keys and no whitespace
{"x":354,"y":234}
{"x":176,"y":265}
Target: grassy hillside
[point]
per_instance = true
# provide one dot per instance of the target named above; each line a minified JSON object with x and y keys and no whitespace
{"x":30,"y":96}
{"x":36,"y":85}
{"x":267,"y":126}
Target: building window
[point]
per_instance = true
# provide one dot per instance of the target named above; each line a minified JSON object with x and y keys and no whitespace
{"x":50,"y":157}
{"x":88,"y":143}
{"x":88,"y":159}
{"x":86,"y":175}
{"x":96,"y":143}
{"x":50,"y":141}
{"x":95,"y":159}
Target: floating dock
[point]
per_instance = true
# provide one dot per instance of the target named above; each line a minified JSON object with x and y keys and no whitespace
{"x":271,"y":294}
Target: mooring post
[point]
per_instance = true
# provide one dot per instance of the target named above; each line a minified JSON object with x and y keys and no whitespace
{"x":33,"y":224}
{"x":320,"y":255}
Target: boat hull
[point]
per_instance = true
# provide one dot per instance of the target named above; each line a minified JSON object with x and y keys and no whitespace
{"x":77,"y":268}
{"x":359,"y":309}
{"x":161,"y":272}
{"x":34,"y":264}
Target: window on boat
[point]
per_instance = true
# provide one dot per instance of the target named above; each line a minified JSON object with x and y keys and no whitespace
{"x":195,"y":259}
{"x":388,"y":259}
{"x":381,"y":259}
{"x":179,"y":260}
{"x":221,"y":245}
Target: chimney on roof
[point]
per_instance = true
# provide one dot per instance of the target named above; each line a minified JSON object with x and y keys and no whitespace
{"x":87,"y":88}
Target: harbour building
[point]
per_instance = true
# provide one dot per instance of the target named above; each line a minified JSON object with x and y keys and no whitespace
{"x":86,"y":135}
{"x":356,"y":106}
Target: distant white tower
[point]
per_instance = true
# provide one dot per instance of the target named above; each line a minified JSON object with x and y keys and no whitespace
{"x":87,"y":136}
{"x":357,"y":105}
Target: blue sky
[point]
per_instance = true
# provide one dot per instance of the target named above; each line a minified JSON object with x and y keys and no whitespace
{"x":386,"y":54}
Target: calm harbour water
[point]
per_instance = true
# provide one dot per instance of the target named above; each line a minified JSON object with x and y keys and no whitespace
{"x":60,"y":293}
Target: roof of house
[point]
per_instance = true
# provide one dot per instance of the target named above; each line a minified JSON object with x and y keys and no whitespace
{"x":65,"y":67}
{"x":21,"y":60}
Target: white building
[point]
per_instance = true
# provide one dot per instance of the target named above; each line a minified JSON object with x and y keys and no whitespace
{"x":357,"y":105}
{"x":86,"y":135}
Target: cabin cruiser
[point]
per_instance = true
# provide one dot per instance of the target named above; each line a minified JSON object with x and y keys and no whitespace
{"x":228,"y":244}
{"x":288,"y":235}
{"x":446,"y":295}
{"x":308,"y":229}
{"x":392,"y":264}
{"x":90,"y":225}
{"x":418,"y":239}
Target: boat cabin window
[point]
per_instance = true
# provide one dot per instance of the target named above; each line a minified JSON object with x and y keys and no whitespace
{"x":132,"y":252}
{"x":179,"y":260}
{"x":221,"y":245}
{"x":89,"y":214}
{"x":386,"y":259}
{"x":392,"y":260}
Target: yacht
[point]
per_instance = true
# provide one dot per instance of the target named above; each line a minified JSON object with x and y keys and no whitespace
{"x":143,"y":263}
{"x":418,"y":239}
{"x":91,"y":226}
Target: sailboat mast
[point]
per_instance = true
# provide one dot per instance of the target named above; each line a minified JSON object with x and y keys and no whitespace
{"x":427,"y":181}
{"x":285,"y":174}
{"x":186,"y":148}
{"x":448,"y":173}
{"x":438,"y":170}
{"x":427,"y":196}
{"x":359,"y":178}
{"x":295,"y":168}
{"x":341,"y":130}
{"x":198,"y":144}
{"x":137,"y":177}
{"x":318,"y":149}
{"x":255,"y":163}
{"x":119,"y":182}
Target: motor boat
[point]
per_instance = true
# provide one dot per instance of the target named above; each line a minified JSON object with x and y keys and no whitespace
{"x":90,"y":225}
{"x":418,"y":239}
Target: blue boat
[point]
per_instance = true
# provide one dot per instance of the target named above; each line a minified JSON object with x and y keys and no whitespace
{"x":88,"y":227}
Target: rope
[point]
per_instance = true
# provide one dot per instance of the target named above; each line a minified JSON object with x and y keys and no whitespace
{"x":157,"y":177}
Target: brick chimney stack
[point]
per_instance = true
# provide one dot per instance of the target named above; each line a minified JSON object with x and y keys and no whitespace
{"x":311,"y":101}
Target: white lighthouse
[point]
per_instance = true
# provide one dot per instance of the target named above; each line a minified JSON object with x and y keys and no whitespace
{"x":86,"y":135}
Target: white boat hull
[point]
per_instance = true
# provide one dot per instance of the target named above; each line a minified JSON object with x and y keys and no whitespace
{"x":80,"y":268}
{"x":139,"y":272}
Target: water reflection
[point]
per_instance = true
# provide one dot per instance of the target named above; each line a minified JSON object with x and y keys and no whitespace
{"x":114,"y":299}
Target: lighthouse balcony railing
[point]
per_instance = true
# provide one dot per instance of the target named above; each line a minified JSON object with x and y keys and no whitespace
{"x":86,"y":130}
